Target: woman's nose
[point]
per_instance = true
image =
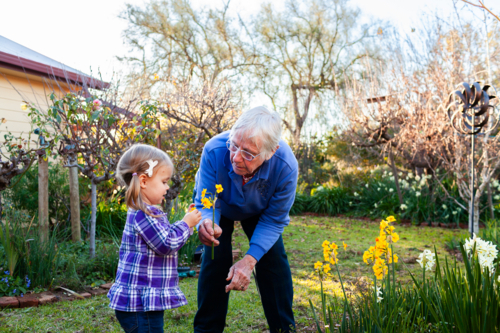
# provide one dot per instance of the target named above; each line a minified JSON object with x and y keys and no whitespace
{"x":237,"y":156}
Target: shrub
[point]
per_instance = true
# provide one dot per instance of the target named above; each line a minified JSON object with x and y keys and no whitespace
{"x":24,"y":193}
{"x":301,"y":204}
{"x":331,"y":201}
{"x":36,"y":259}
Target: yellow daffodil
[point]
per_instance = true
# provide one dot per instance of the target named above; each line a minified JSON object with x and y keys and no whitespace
{"x":207,"y":204}
{"x":369,"y":255}
{"x":203,"y":193}
{"x":391,"y":219}
{"x":383,"y":225}
{"x":345,"y":245}
{"x":326,"y":268}
{"x":334,"y":246}
{"x":379,"y":268}
{"x":219,"y":188}
{"x":395,"y":237}
{"x":325,"y":244}
{"x":318,"y":265}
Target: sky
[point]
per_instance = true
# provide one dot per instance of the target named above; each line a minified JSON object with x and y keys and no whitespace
{"x":88,"y":35}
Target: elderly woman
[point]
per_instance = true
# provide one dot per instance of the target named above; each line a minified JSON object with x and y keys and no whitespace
{"x":258,"y":173}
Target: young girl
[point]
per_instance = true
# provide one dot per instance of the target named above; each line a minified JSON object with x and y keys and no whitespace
{"x":146,"y":281}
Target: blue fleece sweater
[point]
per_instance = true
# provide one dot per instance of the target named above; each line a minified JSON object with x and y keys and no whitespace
{"x":270,"y":193}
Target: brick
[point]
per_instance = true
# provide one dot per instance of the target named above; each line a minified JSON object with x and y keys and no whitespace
{"x":46,"y":298}
{"x":86,"y":295}
{"x":97,"y":292}
{"x":27,"y":301}
{"x":107,"y":285}
{"x":10,"y":302}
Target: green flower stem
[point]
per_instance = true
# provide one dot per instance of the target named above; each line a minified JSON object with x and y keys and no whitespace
{"x":213,"y":227}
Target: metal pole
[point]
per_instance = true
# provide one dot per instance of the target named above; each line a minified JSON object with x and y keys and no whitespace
{"x":471,"y":214}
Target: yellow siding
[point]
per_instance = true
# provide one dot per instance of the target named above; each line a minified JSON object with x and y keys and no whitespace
{"x":17,"y":87}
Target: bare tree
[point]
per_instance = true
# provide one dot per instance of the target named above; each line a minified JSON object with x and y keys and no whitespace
{"x":305,"y":50}
{"x":177,"y":41}
{"x":404,"y":111}
{"x":193,"y":113}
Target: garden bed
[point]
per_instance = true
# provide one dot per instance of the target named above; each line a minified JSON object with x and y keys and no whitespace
{"x":302,"y":238}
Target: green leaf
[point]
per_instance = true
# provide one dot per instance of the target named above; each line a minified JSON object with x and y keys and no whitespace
{"x":95,"y":115}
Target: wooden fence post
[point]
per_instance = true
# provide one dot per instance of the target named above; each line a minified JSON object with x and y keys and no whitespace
{"x":74,"y":203}
{"x":43,"y":197}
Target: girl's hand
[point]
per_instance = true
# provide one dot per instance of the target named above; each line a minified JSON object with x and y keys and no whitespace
{"x":193,"y":217}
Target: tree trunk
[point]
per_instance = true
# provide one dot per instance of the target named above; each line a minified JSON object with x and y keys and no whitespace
{"x":92,"y":219}
{"x":43,"y":198}
{"x":476,"y":216}
{"x":490,"y":203}
{"x":74,"y":204}
{"x":396,"y":177}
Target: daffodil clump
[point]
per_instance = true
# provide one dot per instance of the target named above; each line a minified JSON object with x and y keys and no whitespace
{"x":486,"y":252}
{"x":381,"y":254}
{"x":330,"y":255}
{"x":209,"y":202}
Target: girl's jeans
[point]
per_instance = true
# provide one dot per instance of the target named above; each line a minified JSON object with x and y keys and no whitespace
{"x":141,"y":322}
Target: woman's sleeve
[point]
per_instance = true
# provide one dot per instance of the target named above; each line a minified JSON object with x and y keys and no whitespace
{"x":163,"y":238}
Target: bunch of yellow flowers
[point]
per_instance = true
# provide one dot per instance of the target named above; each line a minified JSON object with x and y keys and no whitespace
{"x":330,"y":252}
{"x":330,"y":255}
{"x":381,"y":253}
{"x":210,"y":201}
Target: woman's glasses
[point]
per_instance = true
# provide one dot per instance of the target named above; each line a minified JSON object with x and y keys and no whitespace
{"x":246,"y":155}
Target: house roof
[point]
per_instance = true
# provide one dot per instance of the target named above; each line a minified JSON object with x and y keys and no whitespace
{"x":18,"y":57}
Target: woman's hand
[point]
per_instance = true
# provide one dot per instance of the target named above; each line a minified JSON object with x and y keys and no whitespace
{"x":239,"y":274}
{"x":207,"y":234}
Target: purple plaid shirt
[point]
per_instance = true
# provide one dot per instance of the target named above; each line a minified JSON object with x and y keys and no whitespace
{"x":147,"y":279}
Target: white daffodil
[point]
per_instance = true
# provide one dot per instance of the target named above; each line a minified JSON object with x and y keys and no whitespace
{"x":391,"y":190}
{"x":417,"y":193}
{"x":427,"y":260}
{"x":444,"y":207}
{"x":379,"y":294}
{"x":486,"y":251}
{"x":403,"y":207}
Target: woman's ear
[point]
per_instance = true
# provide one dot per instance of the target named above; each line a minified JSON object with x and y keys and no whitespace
{"x":143,"y":180}
{"x":272,"y":153}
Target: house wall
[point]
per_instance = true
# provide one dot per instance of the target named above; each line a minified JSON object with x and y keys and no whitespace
{"x":17,"y":87}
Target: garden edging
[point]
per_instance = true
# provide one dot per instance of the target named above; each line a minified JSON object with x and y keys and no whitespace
{"x":48,"y":297}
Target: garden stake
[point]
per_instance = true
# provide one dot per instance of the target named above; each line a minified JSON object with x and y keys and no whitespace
{"x":472,"y":102}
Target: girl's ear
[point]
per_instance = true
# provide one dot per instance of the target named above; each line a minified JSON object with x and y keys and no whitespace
{"x":143,"y":179}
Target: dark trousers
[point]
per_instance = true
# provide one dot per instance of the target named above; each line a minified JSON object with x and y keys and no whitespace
{"x":272,"y":275}
{"x":141,"y":322}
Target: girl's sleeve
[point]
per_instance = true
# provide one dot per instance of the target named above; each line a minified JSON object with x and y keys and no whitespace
{"x":163,"y":238}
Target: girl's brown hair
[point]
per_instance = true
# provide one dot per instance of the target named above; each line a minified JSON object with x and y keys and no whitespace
{"x":135,"y":161}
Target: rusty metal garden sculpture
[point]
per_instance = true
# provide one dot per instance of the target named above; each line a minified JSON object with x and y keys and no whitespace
{"x":468,"y":111}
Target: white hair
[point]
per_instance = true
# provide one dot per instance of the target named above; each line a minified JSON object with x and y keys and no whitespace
{"x":262,"y":123}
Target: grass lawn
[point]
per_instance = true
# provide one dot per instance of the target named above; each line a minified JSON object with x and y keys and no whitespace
{"x":303,"y":238}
